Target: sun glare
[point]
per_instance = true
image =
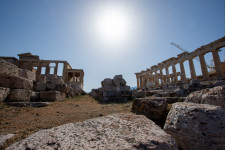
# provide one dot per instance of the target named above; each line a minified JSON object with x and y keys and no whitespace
{"x":112,"y":26}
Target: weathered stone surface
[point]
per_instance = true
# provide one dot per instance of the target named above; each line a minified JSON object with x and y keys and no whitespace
{"x":154,"y":108}
{"x":107,"y":82}
{"x":3,"y":139}
{"x":26,"y":74}
{"x":4,"y":92}
{"x":19,"y":95}
{"x":196,"y":126}
{"x":35,"y":97}
{"x":40,"y":86}
{"x":50,"y":96}
{"x":15,"y":82}
{"x":52,"y":78}
{"x":41,"y":78}
{"x":8,"y":68}
{"x":213,"y":96}
{"x":28,"y":104}
{"x":117,"y":131}
{"x":140,"y":94}
{"x":51,"y":86}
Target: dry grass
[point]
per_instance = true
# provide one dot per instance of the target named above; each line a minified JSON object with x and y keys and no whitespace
{"x":24,"y":121}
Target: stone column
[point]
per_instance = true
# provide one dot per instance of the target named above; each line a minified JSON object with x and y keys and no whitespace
{"x":82,"y":81}
{"x":64,"y":73}
{"x":174,"y":74}
{"x":73,"y":77}
{"x":217,"y":63}
{"x":138,"y":86}
{"x":157,"y":79}
{"x":56,"y":68}
{"x":167,"y":75}
{"x":141,"y":84}
{"x":161,"y":76}
{"x":39,"y":69}
{"x":47,"y":71}
{"x":203,"y":67}
{"x":192,"y":69}
{"x":182,"y":70}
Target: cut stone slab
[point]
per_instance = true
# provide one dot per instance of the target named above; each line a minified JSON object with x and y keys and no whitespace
{"x":19,"y":95}
{"x":8,"y":68}
{"x":15,"y":82}
{"x":40,"y":86}
{"x":117,"y":131}
{"x":213,"y":96}
{"x":28,"y":104}
{"x":4,"y":92}
{"x":196,"y":126}
{"x":50,"y":96}
{"x":41,"y":78}
{"x":3,"y":139}
{"x":154,"y":108}
{"x":26,"y":74}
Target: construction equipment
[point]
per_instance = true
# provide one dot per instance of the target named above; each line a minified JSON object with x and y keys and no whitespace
{"x":211,"y":67}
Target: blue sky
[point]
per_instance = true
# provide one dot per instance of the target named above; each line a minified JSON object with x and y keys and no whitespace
{"x":65,"y":30}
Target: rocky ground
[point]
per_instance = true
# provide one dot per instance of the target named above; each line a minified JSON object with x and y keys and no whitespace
{"x":23,"y":121}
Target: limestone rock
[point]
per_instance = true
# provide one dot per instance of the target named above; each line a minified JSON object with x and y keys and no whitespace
{"x":51,"y":86}
{"x":19,"y":95}
{"x":213,"y":96}
{"x":196,"y":126}
{"x":15,"y":82}
{"x":154,"y":108}
{"x":107,"y":82}
{"x":140,"y":94}
{"x":27,"y":74}
{"x":40,"y":86}
{"x":52,"y":78}
{"x":117,"y":131}
{"x":3,"y":139}
{"x":50,"y":96}
{"x":8,"y":68}
{"x":4,"y":92}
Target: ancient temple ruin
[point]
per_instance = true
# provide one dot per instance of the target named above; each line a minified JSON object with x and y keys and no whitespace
{"x":153,"y":77}
{"x":33,"y":63}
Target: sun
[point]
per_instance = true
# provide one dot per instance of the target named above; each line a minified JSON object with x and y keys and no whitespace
{"x":112,"y":26}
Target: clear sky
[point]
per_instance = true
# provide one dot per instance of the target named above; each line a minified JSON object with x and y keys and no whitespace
{"x":109,"y":37}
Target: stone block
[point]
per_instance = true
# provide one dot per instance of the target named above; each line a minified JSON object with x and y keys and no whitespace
{"x":40,"y":86}
{"x":26,"y":74}
{"x":107,"y":82}
{"x":109,"y":93}
{"x":41,"y":78}
{"x":52,"y":78}
{"x":50,"y":96}
{"x":4,"y":92}
{"x":19,"y":95}
{"x":8,"y":68}
{"x":196,"y":126}
{"x":51,"y":86}
{"x":117,"y":131}
{"x":109,"y":88}
{"x":15,"y":82}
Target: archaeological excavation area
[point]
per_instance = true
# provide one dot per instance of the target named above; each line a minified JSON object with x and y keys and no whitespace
{"x":167,"y":111}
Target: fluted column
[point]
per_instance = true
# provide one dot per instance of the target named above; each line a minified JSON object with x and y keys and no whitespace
{"x":161,"y":77}
{"x":47,"y":71}
{"x":138,"y":86}
{"x":203,"y":67}
{"x":183,"y":75}
{"x":218,"y":66}
{"x":141,"y":84}
{"x":192,"y":69}
{"x":56,"y":68}
{"x":174,"y":74}
{"x":73,"y":77}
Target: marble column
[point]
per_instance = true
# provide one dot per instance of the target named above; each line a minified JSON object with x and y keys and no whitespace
{"x":183,"y":75}
{"x":174,"y":74}
{"x":192,"y":69}
{"x":141,"y":84}
{"x":217,"y":63}
{"x":138,"y":86}
{"x":56,"y":68}
{"x":203,"y":67}
{"x":64,"y":73}
{"x":161,"y":77}
{"x":38,"y":72}
{"x":47,"y":71}
{"x":167,"y":75}
{"x":73,"y":77}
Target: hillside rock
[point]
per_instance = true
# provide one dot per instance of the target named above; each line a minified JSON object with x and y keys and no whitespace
{"x":117,"y":131}
{"x":50,"y":96}
{"x":196,"y":126}
{"x":213,"y":96}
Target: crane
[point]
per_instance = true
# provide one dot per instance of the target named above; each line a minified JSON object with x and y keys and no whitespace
{"x":184,"y":50}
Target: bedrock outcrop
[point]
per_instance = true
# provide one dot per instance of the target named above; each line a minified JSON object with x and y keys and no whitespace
{"x":117,"y":131}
